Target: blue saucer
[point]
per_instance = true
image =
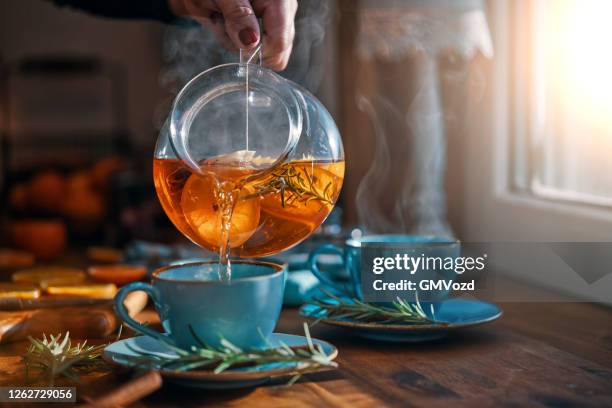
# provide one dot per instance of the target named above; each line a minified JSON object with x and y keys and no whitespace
{"x":125,"y":353}
{"x":451,"y":314}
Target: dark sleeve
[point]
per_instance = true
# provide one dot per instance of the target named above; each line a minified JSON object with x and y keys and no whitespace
{"x":128,"y":9}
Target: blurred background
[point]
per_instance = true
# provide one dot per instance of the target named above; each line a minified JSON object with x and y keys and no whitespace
{"x":79,"y":94}
{"x":486,"y":120}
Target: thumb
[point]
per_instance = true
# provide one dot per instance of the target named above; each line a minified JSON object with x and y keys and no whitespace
{"x":240,"y":22}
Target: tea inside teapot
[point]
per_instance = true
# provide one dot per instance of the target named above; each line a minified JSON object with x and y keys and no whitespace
{"x":266,"y":214}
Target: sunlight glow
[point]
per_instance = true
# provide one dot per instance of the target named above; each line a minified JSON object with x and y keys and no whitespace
{"x":585,"y":55}
{"x":572,"y":96}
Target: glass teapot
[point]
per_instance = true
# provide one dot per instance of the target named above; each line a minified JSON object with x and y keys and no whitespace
{"x":248,"y":161}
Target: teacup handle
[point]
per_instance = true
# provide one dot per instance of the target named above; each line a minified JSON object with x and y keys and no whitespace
{"x":125,"y":316}
{"x":312,"y":263}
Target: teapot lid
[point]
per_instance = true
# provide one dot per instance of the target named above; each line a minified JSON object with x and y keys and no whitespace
{"x":217,"y":116}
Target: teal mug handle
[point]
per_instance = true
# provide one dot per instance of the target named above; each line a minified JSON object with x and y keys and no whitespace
{"x":312,"y":264}
{"x":125,"y":316}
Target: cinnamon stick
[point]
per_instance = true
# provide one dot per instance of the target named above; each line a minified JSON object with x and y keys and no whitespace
{"x":128,"y":393}
{"x":82,"y":322}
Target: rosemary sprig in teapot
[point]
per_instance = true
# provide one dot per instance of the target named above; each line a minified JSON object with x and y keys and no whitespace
{"x":288,"y":179}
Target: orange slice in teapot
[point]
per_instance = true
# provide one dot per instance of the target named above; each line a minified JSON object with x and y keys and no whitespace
{"x":310,"y":191}
{"x":202,"y":209}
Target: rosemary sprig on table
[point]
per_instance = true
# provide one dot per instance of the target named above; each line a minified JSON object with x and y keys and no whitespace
{"x":301,"y":185}
{"x":306,"y":358}
{"x":55,"y":356}
{"x":402,"y":312}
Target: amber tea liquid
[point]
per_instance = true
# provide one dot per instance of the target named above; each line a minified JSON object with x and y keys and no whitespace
{"x":265,"y":214}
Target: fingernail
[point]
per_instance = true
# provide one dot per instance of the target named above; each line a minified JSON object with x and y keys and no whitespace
{"x":247,"y":36}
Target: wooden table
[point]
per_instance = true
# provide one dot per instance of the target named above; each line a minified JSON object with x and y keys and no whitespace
{"x":545,"y":354}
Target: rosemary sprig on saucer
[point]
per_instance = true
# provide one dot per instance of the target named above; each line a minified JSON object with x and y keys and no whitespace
{"x":306,"y":358}
{"x":401,"y":312}
{"x":55,"y":356}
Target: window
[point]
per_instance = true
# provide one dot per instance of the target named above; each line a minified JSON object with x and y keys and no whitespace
{"x":538,"y":152}
{"x":563,"y":132}
{"x":538,"y":159}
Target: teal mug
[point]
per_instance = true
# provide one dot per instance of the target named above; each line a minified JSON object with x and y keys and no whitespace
{"x":351,"y":254}
{"x":195,"y":306}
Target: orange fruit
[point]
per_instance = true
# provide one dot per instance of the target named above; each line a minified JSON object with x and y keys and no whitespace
{"x":46,"y":190}
{"x":52,"y":274}
{"x":85,"y":209}
{"x":91,"y":290}
{"x":16,"y":290}
{"x":83,"y":205}
{"x":117,"y":274}
{"x":202,"y":210}
{"x":102,"y":171}
{"x":46,"y":239}
{"x":79,"y":181}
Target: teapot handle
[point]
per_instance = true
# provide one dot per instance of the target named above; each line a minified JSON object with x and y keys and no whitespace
{"x":254,"y":56}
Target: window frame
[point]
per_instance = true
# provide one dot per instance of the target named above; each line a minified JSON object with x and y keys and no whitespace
{"x":496,"y":207}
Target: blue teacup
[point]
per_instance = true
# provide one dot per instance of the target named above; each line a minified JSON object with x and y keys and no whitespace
{"x":351,"y":254}
{"x":195,"y":306}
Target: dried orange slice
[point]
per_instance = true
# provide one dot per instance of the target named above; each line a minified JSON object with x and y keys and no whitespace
{"x":203,"y":212}
{"x":17,"y":290}
{"x":93,"y":290}
{"x":49,"y":275}
{"x":104,"y":254}
{"x":10,"y":258}
{"x":117,"y":274}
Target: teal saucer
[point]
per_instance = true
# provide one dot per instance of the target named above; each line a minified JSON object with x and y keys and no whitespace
{"x":451,"y":314}
{"x":126,"y":352}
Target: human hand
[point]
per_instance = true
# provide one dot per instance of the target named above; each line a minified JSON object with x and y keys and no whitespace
{"x":234,"y":23}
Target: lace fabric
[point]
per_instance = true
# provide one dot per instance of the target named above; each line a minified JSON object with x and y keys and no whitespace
{"x":393,"y":34}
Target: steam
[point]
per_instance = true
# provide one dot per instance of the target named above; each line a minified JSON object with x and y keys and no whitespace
{"x":403,"y":191}
{"x":423,"y":196}
{"x":371,"y":193}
